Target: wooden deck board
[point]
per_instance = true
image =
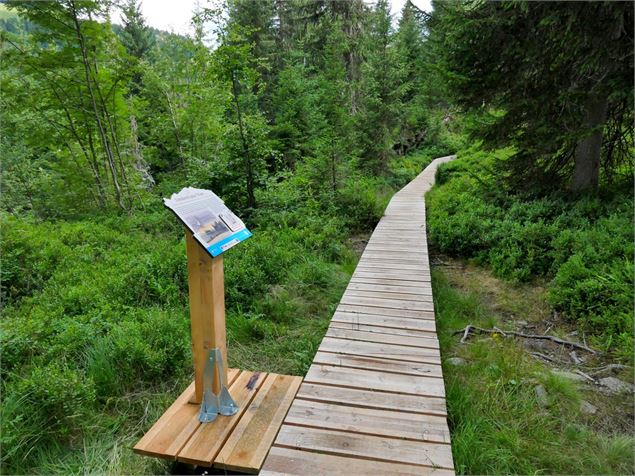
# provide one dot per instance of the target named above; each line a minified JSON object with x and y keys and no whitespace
{"x":366,"y":398}
{"x":375,"y":380}
{"x":380,"y":448}
{"x":373,"y":401}
{"x":239,"y":442}
{"x":249,"y":443}
{"x":290,"y":461}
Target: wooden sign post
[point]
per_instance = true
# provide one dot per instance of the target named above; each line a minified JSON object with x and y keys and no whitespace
{"x":206,"y":425}
{"x":207,"y":311}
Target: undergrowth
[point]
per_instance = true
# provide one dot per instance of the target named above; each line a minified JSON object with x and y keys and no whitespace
{"x":583,"y":245}
{"x":498,"y":424}
{"x":95,"y":330}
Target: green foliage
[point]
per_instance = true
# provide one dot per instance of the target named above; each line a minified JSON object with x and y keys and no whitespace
{"x":583,"y":246}
{"x":498,"y":425}
{"x":554,"y":80}
{"x":98,"y":306}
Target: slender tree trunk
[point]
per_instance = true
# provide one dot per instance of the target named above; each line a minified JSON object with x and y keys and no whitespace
{"x":333,"y":167}
{"x":175,"y":127}
{"x":586,"y":173}
{"x":112,"y":127}
{"x":100,"y":127}
{"x":251,"y":198}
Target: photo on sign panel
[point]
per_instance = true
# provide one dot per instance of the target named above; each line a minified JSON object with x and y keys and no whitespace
{"x":206,"y":224}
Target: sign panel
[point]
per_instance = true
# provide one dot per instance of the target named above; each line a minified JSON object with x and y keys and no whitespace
{"x":213,"y":224}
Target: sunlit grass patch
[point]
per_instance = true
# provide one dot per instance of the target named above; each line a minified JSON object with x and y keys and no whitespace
{"x":498,"y":421}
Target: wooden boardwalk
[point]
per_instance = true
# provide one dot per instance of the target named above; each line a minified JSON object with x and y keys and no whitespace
{"x":373,"y":401}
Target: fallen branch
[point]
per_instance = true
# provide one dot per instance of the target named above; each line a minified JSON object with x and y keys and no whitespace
{"x":470,"y":328}
{"x":548,"y":358}
{"x":575,"y":358}
{"x":608,"y":367}
{"x":579,"y":372}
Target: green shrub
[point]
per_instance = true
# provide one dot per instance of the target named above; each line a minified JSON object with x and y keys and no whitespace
{"x":49,"y":404}
{"x":95,"y":316}
{"x":359,"y":201}
{"x":582,"y":245}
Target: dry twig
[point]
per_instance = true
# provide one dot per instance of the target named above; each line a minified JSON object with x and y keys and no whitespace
{"x":471,"y":328}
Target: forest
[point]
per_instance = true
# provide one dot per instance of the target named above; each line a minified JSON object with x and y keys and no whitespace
{"x":304,"y":116}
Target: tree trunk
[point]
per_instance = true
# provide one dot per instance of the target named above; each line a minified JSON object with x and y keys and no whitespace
{"x":251,"y":197}
{"x":102,"y":132}
{"x":586,"y":173}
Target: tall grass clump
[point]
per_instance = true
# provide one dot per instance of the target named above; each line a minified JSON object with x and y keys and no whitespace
{"x":498,"y":423}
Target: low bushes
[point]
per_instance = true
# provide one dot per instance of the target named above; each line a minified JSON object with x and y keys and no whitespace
{"x":582,"y":245}
{"x":95,"y":309}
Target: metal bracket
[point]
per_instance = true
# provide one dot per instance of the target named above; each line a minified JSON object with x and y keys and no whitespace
{"x":212,"y":403}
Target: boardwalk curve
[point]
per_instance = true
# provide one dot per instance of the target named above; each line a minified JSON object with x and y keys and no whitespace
{"x":373,"y":401}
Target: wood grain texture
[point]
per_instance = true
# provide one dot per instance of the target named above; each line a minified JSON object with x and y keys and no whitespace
{"x":382,"y":351}
{"x":207,"y":310}
{"x":384,"y":365}
{"x":375,"y":380}
{"x":175,"y":427}
{"x":296,"y":462}
{"x":372,"y":399}
{"x":354,"y":318}
{"x":247,"y":446}
{"x":387,"y":311}
{"x":399,"y":331}
{"x":380,"y":448}
{"x":429,"y":342}
{"x":208,"y":439}
{"x":369,"y":421}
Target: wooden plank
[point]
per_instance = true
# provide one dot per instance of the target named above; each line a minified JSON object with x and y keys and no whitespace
{"x":372,"y":266}
{"x":371,"y":363}
{"x":395,"y":254}
{"x":435,"y":455}
{"x":371,"y":399}
{"x":420,"y":278}
{"x":418,"y":291}
{"x":385,"y":351}
{"x":369,"y":421}
{"x":404,"y":247}
{"x":377,"y":239}
{"x":208,"y":439}
{"x":429,"y":342}
{"x":247,"y":446}
{"x":175,"y":427}
{"x":207,"y":310}
{"x":375,"y":380}
{"x":406,"y":259}
{"x":297,"y":462}
{"x":387,"y":311}
{"x":363,"y":293}
{"x":382,"y":281}
{"x":387,"y":303}
{"x":354,"y":318}
{"x":381,"y":329}
{"x":388,"y":231}
{"x":422,"y":292}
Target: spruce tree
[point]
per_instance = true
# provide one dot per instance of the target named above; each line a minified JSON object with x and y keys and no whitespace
{"x":555,"y":79}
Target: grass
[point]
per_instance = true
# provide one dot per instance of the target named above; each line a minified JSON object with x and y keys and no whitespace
{"x":498,"y":424}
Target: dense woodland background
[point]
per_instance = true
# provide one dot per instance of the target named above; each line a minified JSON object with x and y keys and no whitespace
{"x":304,"y":116}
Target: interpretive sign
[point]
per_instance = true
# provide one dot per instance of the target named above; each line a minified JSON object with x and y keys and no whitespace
{"x":212,"y":224}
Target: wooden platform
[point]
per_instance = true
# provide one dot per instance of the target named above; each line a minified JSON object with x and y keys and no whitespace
{"x":373,"y":401}
{"x":237,"y":443}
